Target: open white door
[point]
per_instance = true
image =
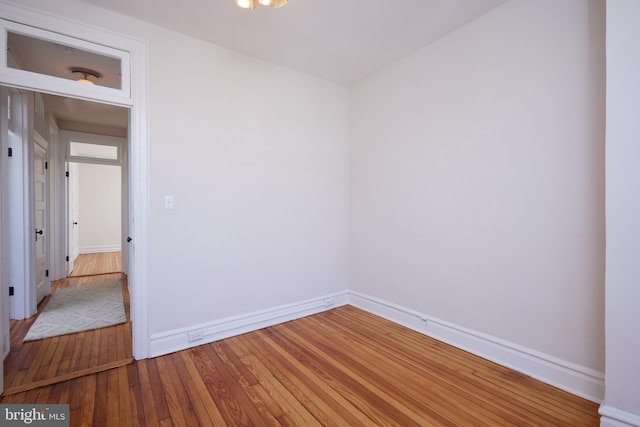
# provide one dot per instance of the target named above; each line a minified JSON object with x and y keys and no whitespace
{"x":41,"y":186}
{"x":72,"y":214}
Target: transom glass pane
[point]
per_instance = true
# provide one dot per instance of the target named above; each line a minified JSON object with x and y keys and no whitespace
{"x":95,"y":151}
{"x":58,"y":60}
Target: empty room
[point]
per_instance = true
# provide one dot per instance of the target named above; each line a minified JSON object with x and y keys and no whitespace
{"x":419,"y":212}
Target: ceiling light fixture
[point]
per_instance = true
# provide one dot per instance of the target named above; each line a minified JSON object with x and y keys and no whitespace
{"x":252,"y":4}
{"x":85,"y":74}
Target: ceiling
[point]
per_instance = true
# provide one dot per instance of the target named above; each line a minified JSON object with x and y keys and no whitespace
{"x":338,"y":40}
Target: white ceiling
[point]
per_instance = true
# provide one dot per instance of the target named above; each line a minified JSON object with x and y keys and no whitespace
{"x":339,"y":40}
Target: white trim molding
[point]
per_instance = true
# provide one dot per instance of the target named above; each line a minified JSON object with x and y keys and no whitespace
{"x":616,"y":417}
{"x":575,"y":379}
{"x":204,"y":333}
{"x":99,"y":249}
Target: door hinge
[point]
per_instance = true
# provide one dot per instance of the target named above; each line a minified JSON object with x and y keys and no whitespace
{"x":10,"y":152}
{"x":46,"y":165}
{"x":46,"y":273}
{"x":10,"y":291}
{"x":67,"y":258}
{"x":66,"y":174}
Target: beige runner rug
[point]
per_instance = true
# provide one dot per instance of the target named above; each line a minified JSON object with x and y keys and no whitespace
{"x":79,"y":309}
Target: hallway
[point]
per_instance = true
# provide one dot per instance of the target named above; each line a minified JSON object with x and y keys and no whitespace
{"x":48,"y":361}
{"x":97,"y":263}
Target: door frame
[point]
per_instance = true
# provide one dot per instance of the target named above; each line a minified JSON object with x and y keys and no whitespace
{"x":138,"y":154}
{"x":19,"y":211}
{"x":65,"y":138}
{"x":4,"y":241}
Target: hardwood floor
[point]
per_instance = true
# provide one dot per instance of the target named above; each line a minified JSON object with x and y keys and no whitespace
{"x":97,"y":263}
{"x":343,"y":367}
{"x":37,"y":363}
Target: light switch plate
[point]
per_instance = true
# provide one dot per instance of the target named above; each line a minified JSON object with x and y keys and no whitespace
{"x":168,"y":202}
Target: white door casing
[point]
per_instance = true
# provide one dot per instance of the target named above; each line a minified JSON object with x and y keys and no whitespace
{"x":4,"y":244}
{"x":19,"y":211}
{"x":135,"y":97}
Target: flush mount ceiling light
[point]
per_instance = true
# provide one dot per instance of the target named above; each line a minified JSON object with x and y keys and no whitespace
{"x":86,"y":73}
{"x":252,"y":4}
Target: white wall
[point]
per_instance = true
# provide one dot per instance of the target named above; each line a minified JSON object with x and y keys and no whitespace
{"x":99,"y":207}
{"x":255,"y":157}
{"x":622,"y":397}
{"x":477,"y":180}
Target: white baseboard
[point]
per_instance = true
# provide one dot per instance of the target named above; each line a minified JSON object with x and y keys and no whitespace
{"x":178,"y":339}
{"x":615,"y":417}
{"x":575,"y":379}
{"x":99,"y":249}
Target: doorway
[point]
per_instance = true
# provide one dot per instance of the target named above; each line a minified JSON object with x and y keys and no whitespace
{"x":133,"y":95}
{"x":96,"y":204}
{"x":102,"y":183}
{"x":94,"y":219}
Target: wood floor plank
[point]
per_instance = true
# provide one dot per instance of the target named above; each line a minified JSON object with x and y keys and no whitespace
{"x":182,"y":413}
{"x":87,"y":408}
{"x":204,"y":402}
{"x":245,"y":380}
{"x":427,"y":385}
{"x":113,"y":401}
{"x":395,"y":378}
{"x":59,"y":392}
{"x":288,"y":361}
{"x":135,"y":396}
{"x":149,"y":404}
{"x":42,"y":362}
{"x":301,"y":382}
{"x":286,"y":406}
{"x":472,"y":372}
{"x":97,"y":263}
{"x":100,"y":410}
{"x":52,"y":369}
{"x":461,"y":379}
{"x":160,"y":404}
{"x":343,"y":367}
{"x":38,"y":361}
{"x":235,"y":406}
{"x":389,"y":409}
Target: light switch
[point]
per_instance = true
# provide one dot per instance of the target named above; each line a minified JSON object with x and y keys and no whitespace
{"x":168,"y":202}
